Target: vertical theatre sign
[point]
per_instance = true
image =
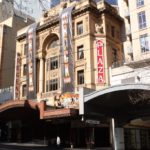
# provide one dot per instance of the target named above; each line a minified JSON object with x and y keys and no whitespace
{"x":17,"y":77}
{"x":66,"y":50}
{"x":31,"y":62}
{"x":100,"y":62}
{"x":1,"y":42}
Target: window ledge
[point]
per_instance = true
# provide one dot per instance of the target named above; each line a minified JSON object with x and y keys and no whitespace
{"x":80,"y":36}
{"x":138,"y":7}
{"x":80,"y":62}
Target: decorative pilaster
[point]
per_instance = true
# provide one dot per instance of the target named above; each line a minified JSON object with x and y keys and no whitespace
{"x":41,"y":75}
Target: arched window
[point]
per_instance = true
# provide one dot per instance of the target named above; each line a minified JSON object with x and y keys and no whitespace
{"x":54,"y":43}
{"x":52,"y":63}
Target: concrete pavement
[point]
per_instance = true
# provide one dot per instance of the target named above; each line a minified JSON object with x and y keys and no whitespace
{"x":34,"y":146}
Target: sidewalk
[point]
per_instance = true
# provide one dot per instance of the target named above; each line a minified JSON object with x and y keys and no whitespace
{"x":24,"y":146}
{"x":34,"y":146}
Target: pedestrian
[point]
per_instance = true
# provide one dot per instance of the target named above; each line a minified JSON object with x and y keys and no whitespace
{"x":58,"y":141}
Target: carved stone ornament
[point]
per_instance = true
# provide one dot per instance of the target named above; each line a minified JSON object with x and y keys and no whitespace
{"x":99,"y":28}
{"x":54,"y":74}
{"x":53,"y":12}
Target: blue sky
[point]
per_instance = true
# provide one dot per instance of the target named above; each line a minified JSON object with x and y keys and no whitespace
{"x":34,"y":8}
{"x":112,"y":1}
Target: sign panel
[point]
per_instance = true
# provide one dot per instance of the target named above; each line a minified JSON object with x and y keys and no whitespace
{"x":90,"y":121}
{"x":66,"y":100}
{"x":70,"y":100}
{"x":17,"y":77}
{"x":1,"y":42}
{"x":31,"y":62}
{"x":66,"y":50}
{"x":100,"y":62}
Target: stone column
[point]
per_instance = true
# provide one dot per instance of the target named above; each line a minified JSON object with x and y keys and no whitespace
{"x":112,"y":134}
{"x":41,"y":75}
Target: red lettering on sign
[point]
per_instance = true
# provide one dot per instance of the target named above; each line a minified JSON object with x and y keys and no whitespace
{"x":100,"y":62}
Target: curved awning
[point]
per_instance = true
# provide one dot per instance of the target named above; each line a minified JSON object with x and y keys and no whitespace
{"x":31,"y":109}
{"x":125,"y":102}
{"x":116,"y":89}
{"x":19,"y":109}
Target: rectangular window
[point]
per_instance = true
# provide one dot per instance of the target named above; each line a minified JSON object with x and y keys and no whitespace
{"x":79,"y":28}
{"x":25,"y":69}
{"x":142,"y":20}
{"x":115,"y":58}
{"x":53,"y":84}
{"x":80,"y":52}
{"x":25,"y":49}
{"x":144,"y":43}
{"x":139,"y":3}
{"x":80,"y":77}
{"x":24,"y":90}
{"x":112,"y":31}
{"x":53,"y":63}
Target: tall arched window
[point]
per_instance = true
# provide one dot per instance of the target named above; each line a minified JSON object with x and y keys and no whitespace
{"x":53,"y":43}
{"x":52,"y":64}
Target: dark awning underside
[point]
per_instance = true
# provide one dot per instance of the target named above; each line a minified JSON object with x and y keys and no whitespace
{"x":123,"y":102}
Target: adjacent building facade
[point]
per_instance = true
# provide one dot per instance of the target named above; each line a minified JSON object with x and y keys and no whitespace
{"x":136,"y":64}
{"x":136,"y":45}
{"x":10,"y":22}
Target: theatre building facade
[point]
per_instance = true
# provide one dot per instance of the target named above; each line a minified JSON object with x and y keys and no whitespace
{"x":73,"y":46}
{"x":70,"y":52}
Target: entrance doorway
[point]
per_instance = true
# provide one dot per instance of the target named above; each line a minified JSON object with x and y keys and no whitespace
{"x":102,"y":138}
{"x":137,"y":139}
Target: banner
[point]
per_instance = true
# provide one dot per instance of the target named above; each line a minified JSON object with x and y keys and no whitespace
{"x":66,"y":50}
{"x":17,"y":77}
{"x":100,"y":62}
{"x":1,"y":42}
{"x":67,"y":100}
{"x":31,"y":62}
{"x":70,"y":100}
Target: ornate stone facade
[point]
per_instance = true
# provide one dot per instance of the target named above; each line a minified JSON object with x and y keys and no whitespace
{"x":90,"y":23}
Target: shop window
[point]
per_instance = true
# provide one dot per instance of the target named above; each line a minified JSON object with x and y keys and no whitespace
{"x":24,"y":90}
{"x":80,"y":52}
{"x":79,"y":28}
{"x":142,"y":20}
{"x":80,"y":77}
{"x":25,"y":69}
{"x":144,"y":43}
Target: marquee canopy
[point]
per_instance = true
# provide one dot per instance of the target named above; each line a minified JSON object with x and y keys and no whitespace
{"x":123,"y":102}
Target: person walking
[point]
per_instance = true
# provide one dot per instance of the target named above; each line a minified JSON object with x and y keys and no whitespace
{"x":58,"y":141}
